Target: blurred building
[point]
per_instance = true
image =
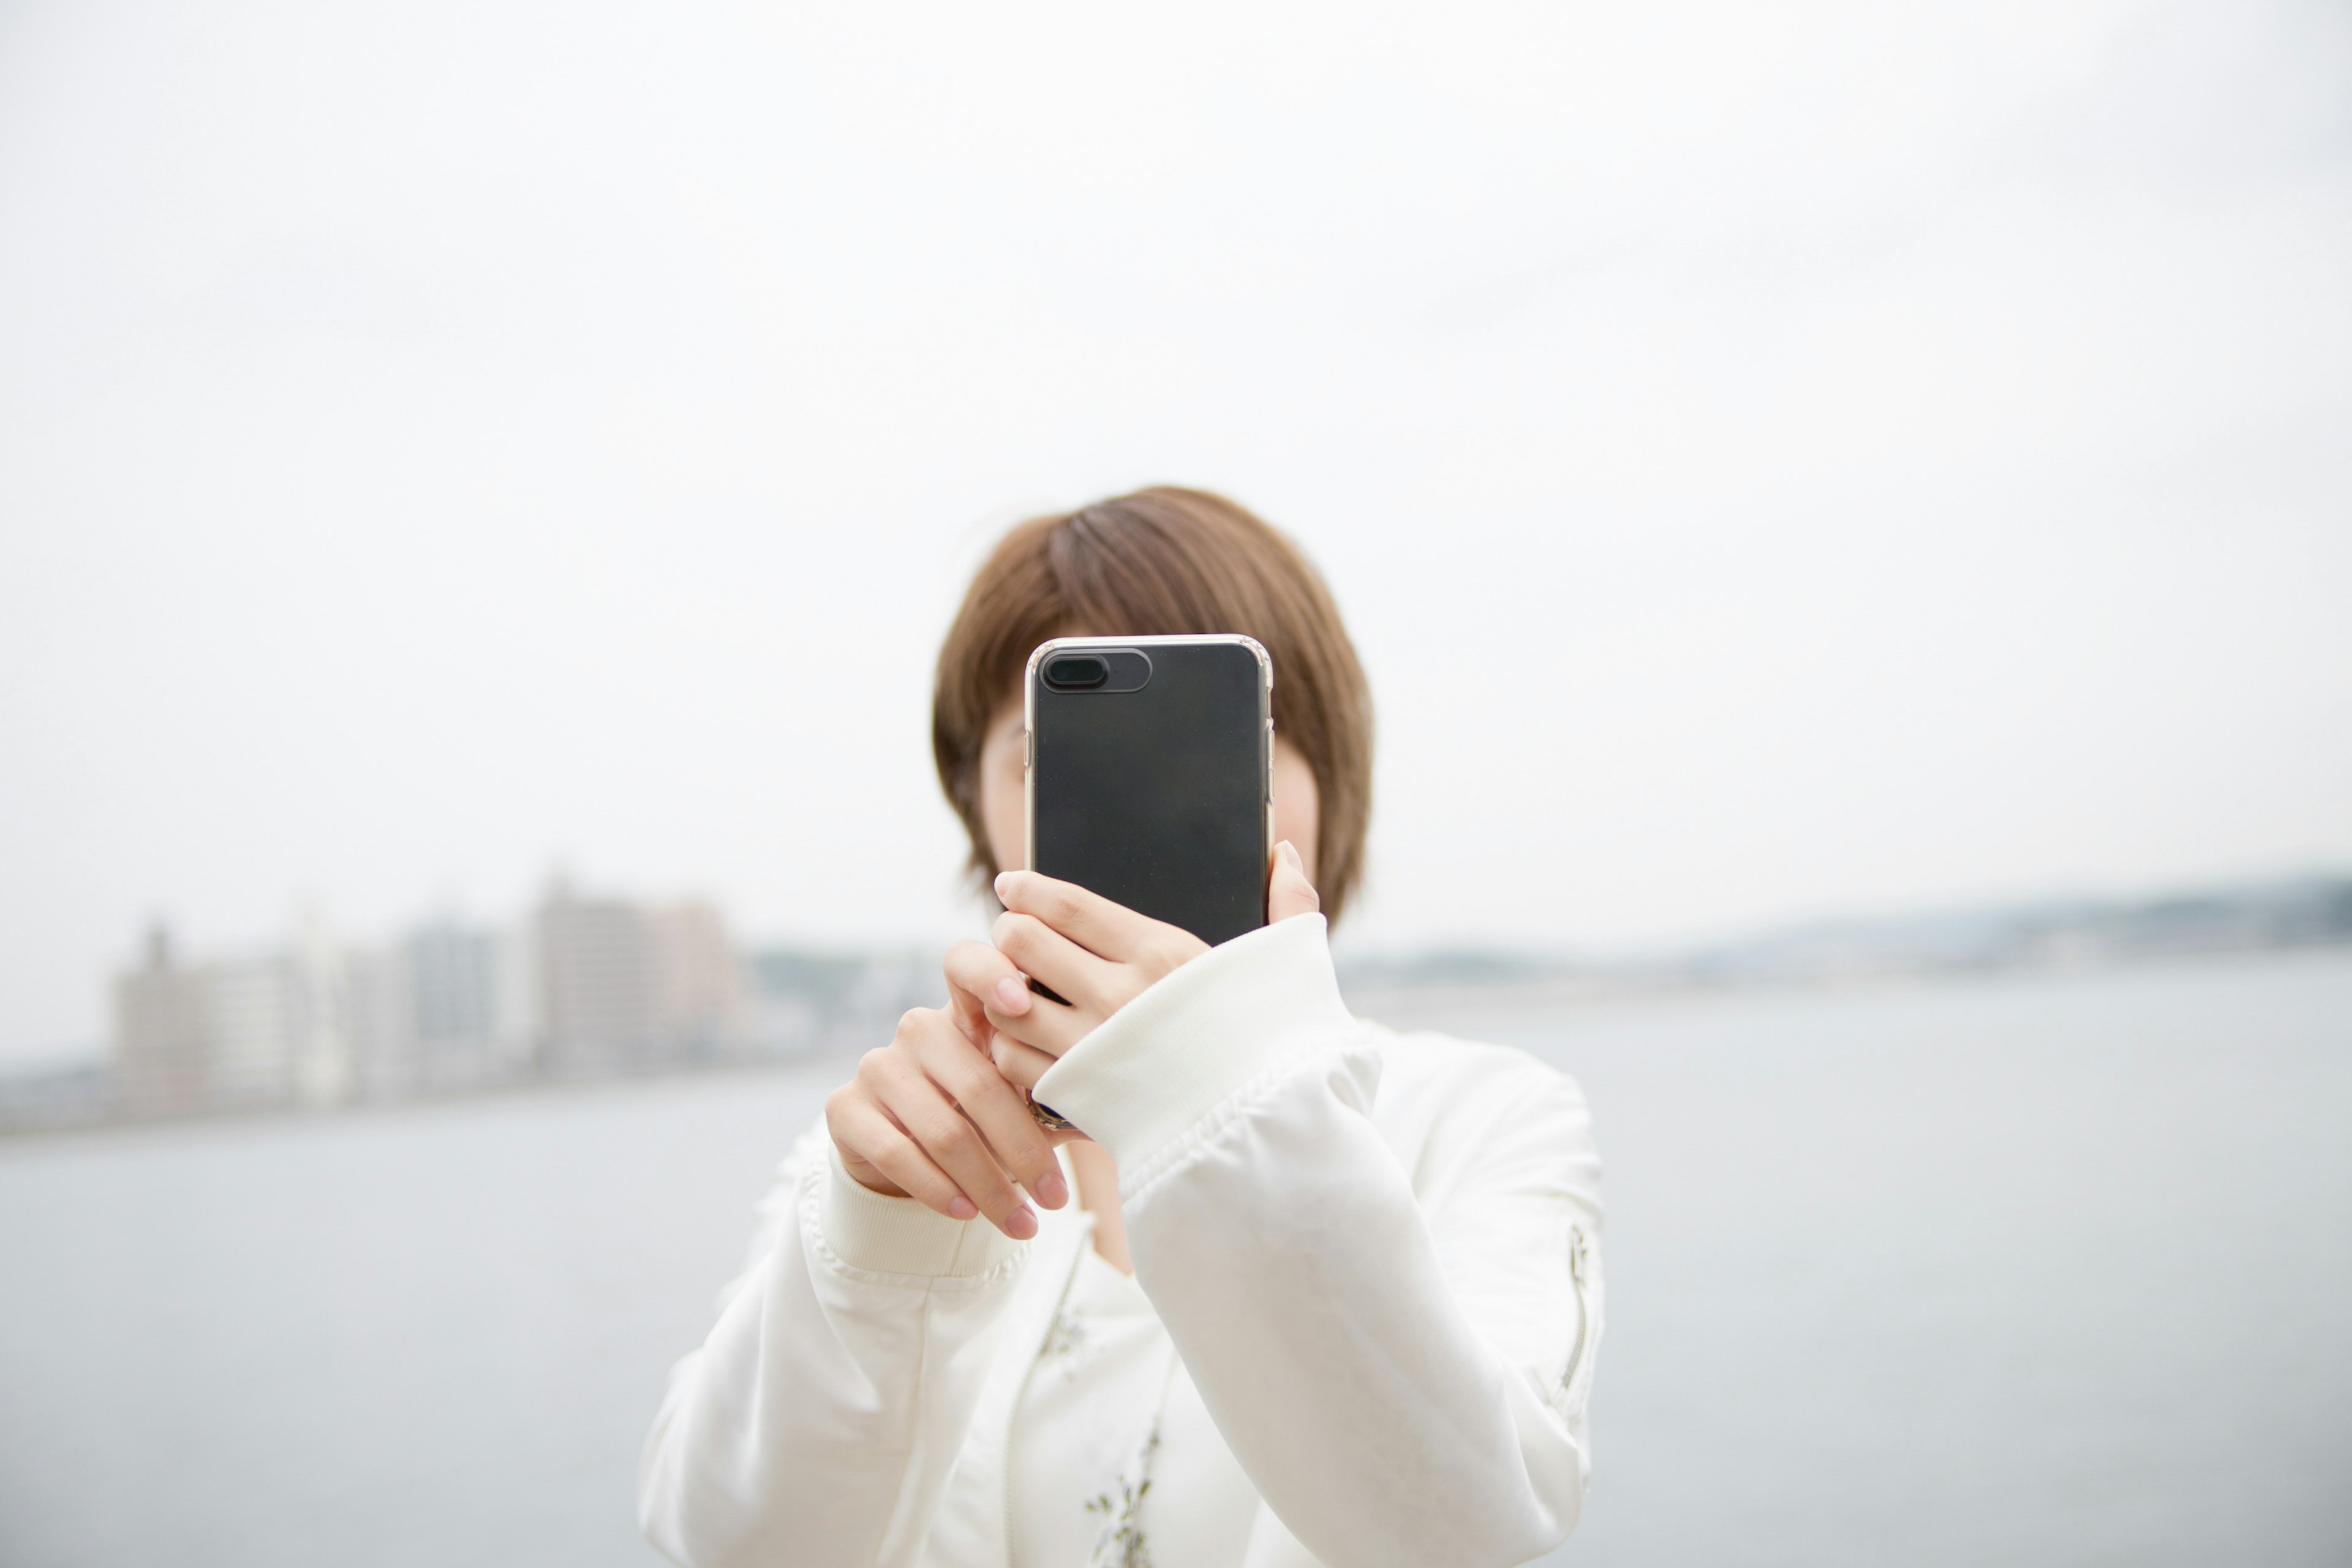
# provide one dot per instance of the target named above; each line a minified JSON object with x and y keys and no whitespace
{"x":251,"y":1031}
{"x":702,"y":988}
{"x":253,"y":1026}
{"x":838,"y":1002}
{"x":321,"y":1043}
{"x":474,"y":1011}
{"x":623,"y":985}
{"x":447,"y":1005}
{"x":586,"y":985}
{"x":600,"y":1004}
{"x":162,"y":1050}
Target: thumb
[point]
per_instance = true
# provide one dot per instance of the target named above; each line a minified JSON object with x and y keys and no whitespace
{"x":1289,"y":893}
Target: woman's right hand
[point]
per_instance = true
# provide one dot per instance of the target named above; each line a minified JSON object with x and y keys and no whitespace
{"x":929,"y":1117}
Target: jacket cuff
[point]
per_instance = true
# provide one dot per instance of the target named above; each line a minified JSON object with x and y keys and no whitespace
{"x":1166,"y":1060}
{"x":899,"y":1235}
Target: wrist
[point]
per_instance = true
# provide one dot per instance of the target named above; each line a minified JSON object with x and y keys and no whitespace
{"x":1167,"y":1058}
{"x":884,"y":1234}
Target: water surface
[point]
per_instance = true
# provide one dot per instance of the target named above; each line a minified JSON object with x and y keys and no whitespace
{"x":2031,"y":1271}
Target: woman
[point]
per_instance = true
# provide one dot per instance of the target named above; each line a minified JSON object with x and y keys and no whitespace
{"x":1308,"y":1292}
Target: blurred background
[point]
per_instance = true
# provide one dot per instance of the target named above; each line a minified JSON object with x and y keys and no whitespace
{"x":1847,"y":512}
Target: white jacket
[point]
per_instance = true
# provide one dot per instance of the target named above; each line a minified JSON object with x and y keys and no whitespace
{"x":1376,"y":1255}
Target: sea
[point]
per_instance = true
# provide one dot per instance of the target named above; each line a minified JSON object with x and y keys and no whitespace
{"x":2026,"y":1268}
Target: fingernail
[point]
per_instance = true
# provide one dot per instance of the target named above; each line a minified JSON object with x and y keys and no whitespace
{"x":1022,"y":1223}
{"x":961,"y":1208}
{"x":1012,"y":996}
{"x":1051,"y":1190}
{"x":1002,"y":878}
{"x":1290,"y":853}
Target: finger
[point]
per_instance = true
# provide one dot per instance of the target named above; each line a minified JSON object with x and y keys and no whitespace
{"x":1048,"y":1028}
{"x":999,"y":1109}
{"x":1019,"y":1064}
{"x":866,"y":1136}
{"x":1289,"y":893}
{"x":952,"y":1143}
{"x":1073,"y":973}
{"x":978,"y":977}
{"x":1087,"y":919}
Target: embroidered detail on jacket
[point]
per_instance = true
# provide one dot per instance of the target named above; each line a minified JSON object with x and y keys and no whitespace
{"x":1122,"y":1543}
{"x":1561,"y":1396}
{"x":1066,"y":1341}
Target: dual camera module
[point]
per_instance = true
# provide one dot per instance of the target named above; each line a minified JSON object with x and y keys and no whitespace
{"x":1075,"y":672}
{"x":1098,"y":670}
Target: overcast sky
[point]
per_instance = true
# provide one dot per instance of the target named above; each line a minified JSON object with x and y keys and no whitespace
{"x":1775,"y":461}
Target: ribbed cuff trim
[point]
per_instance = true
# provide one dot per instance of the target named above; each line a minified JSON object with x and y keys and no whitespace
{"x":899,"y":1235}
{"x":1172,"y":1055}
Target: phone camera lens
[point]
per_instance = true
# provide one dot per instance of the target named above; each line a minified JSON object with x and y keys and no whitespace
{"x":1077,"y":671}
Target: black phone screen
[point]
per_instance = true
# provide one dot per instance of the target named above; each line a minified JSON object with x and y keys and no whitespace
{"x":1150,"y":771}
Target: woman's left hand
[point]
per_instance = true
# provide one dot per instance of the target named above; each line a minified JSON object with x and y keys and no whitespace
{"x":1096,"y":956}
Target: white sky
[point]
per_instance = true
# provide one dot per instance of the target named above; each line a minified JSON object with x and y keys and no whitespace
{"x":1774,"y":460}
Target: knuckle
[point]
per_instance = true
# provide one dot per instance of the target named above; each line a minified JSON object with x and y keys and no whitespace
{"x":1017,"y":935}
{"x":913,"y":1177}
{"x":1025,"y":1147}
{"x":975,"y":1077}
{"x":963,"y":1080}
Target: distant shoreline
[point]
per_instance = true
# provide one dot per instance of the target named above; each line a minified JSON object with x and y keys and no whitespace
{"x":2310,"y":914}
{"x":1418,"y":1005}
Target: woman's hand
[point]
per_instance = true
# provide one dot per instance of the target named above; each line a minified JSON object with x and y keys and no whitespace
{"x":1095,"y":955}
{"x":929,"y":1117}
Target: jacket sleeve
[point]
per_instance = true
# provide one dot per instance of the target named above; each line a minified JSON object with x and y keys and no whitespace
{"x":818,"y":1424}
{"x":1402,"y":1372}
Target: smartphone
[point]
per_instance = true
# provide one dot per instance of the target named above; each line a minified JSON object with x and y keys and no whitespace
{"x":1151,"y":777}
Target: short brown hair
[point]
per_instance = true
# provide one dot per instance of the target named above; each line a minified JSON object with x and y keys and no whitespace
{"x":1163,"y":562}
